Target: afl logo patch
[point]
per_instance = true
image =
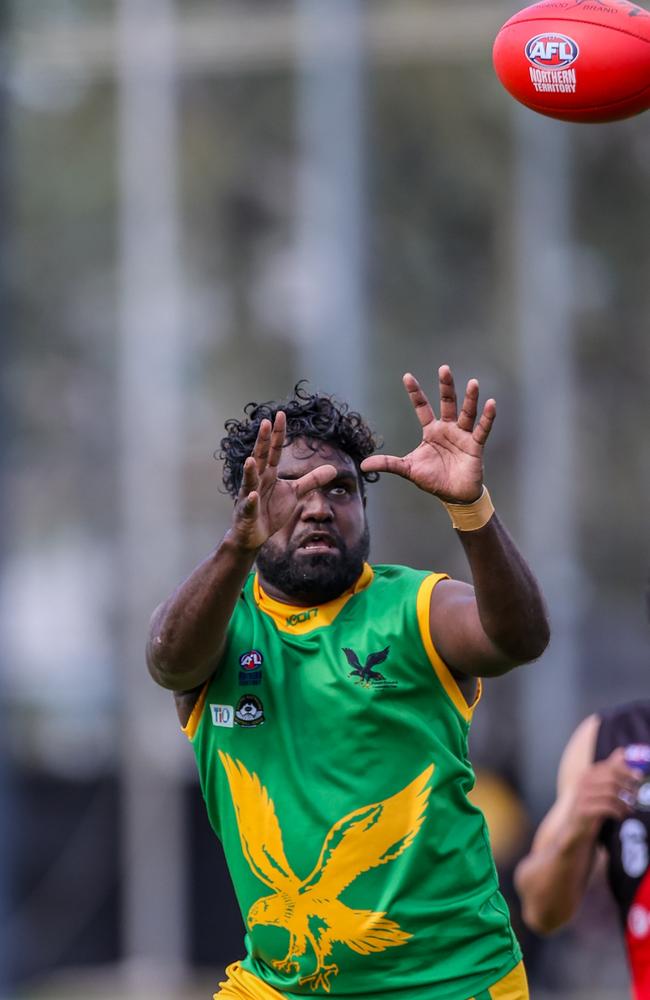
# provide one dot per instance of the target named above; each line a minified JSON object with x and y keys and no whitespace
{"x":252,"y":660}
{"x":552,"y":51}
{"x":250,"y":667}
{"x":249,"y":711}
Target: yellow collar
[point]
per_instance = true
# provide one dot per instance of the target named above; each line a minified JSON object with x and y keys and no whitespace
{"x":299,"y":620}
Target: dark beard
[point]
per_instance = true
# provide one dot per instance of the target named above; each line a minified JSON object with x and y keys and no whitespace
{"x":314,"y":579}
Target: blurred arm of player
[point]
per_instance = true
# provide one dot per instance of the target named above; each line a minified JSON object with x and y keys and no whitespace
{"x":187,"y":631}
{"x":552,"y":878}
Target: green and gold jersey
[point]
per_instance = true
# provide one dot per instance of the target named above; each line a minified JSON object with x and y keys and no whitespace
{"x":332,"y":752}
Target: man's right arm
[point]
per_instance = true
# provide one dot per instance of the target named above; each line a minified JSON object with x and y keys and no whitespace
{"x":552,"y":878}
{"x":188,"y":631}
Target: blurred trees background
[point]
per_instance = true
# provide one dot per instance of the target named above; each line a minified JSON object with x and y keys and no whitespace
{"x":440,"y":164}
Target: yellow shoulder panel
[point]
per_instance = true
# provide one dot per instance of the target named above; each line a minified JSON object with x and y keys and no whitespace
{"x":443,"y":672}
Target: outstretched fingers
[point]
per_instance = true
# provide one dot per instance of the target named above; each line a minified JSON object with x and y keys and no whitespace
{"x":469,"y":409}
{"x":421,"y":404}
{"x":262,"y":446}
{"x":250,"y":479}
{"x":484,"y":425}
{"x":447,"y":390}
{"x":278,"y":435}
{"x":466,"y":419}
{"x":248,"y":501}
{"x":269,"y":442}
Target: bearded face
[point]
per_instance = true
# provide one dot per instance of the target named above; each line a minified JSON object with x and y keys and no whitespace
{"x":320,"y":552}
{"x":318,"y":577}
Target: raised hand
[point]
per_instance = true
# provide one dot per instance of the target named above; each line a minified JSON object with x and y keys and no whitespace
{"x":606,"y":789}
{"x":265,"y":502}
{"x":448,"y":462}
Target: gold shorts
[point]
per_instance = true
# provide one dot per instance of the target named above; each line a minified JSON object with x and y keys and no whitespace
{"x":242,"y":985}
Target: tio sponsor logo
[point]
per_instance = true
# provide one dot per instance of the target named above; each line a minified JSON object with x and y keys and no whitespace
{"x":223,"y":715}
{"x":552,"y":51}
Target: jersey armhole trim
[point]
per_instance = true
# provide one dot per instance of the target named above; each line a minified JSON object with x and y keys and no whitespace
{"x":192,"y":724}
{"x":443,"y":672}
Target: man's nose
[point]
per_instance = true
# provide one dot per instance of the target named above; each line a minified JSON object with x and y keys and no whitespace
{"x":316,"y":505}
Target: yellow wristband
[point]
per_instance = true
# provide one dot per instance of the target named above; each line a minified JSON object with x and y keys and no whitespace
{"x":470,"y":516}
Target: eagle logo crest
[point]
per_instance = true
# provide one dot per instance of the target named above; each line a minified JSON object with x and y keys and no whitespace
{"x":366,"y":674}
{"x":310,"y":909}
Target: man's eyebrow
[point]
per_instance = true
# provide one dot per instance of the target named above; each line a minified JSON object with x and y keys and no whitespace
{"x":344,"y":474}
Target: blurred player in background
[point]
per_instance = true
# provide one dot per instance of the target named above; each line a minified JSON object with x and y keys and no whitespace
{"x":601,"y":816}
{"x":329,"y":701}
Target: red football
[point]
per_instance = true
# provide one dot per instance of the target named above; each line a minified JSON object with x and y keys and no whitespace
{"x":577,"y":60}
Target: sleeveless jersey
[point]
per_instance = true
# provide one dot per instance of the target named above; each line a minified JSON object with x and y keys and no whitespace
{"x":331,"y":747}
{"x":627,"y":845}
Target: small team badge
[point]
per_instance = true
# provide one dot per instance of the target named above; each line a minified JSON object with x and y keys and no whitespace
{"x":249,"y":711}
{"x":250,"y":667}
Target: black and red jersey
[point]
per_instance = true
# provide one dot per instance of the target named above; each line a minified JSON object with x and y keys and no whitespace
{"x":628,"y":844}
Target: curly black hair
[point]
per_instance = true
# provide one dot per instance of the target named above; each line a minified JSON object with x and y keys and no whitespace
{"x":316,"y":416}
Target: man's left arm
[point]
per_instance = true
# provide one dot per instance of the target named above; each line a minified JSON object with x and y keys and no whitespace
{"x":498,"y":623}
{"x":501,"y":621}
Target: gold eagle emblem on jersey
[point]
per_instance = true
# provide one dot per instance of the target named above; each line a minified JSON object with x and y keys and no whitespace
{"x":310,"y":908}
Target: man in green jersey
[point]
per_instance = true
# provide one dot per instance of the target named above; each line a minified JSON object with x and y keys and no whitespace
{"x":328,"y":703}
